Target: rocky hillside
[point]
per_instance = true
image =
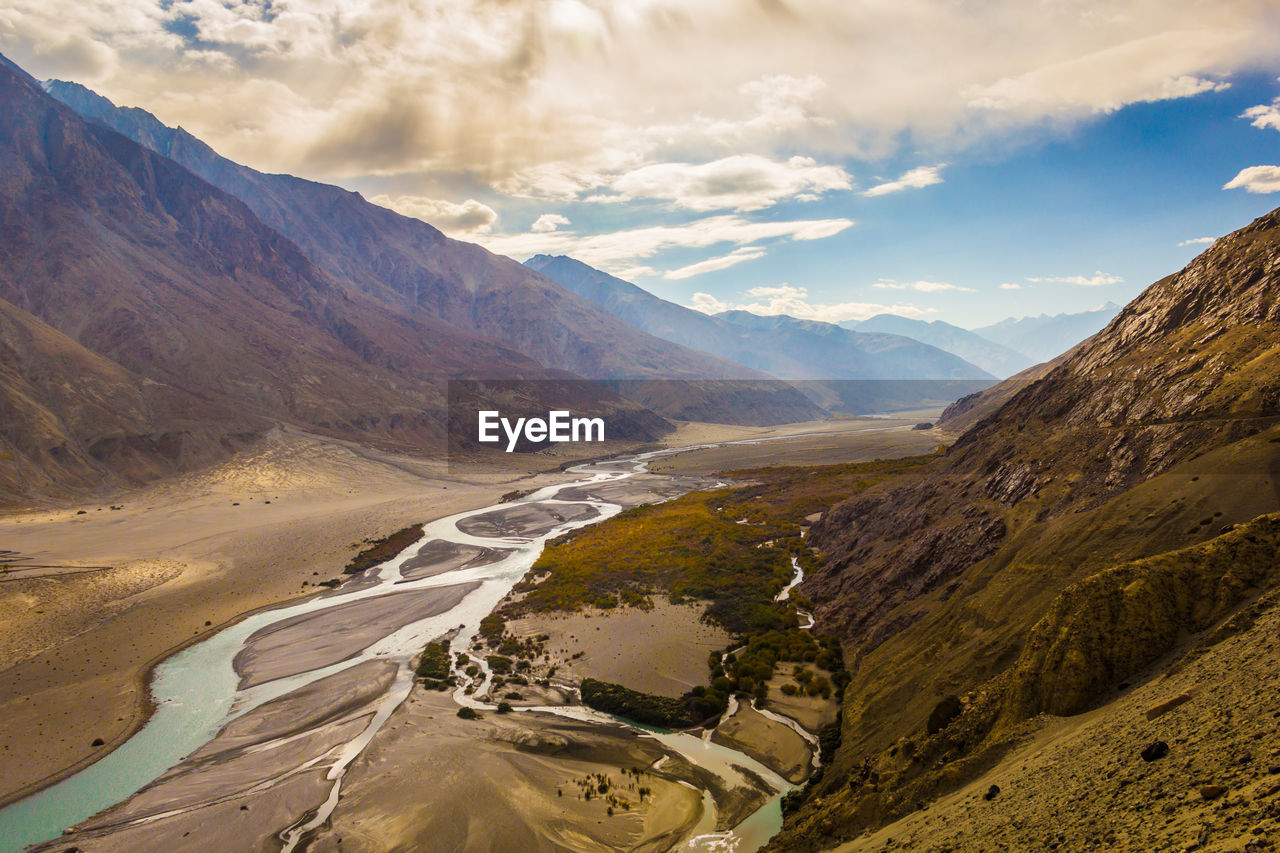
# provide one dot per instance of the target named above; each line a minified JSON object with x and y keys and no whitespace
{"x":1152,"y":438}
{"x":407,"y":263}
{"x":155,"y":324}
{"x":74,"y":420}
{"x":147,"y":265}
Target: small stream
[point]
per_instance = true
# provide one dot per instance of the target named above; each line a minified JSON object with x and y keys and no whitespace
{"x":197,"y":690}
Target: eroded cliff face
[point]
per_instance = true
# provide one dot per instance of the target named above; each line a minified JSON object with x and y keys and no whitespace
{"x":1192,"y":364}
{"x":1156,"y":435}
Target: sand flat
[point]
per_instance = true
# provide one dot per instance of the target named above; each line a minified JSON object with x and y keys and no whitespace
{"x":661,"y":651}
{"x":187,"y":560}
{"x":438,"y":556}
{"x":775,"y":745}
{"x":492,"y":784}
{"x":313,"y":640}
{"x":524,"y":520}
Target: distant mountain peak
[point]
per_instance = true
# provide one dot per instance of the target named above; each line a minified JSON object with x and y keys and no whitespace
{"x":784,"y":346}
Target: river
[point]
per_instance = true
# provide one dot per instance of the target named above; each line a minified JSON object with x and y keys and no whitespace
{"x":198,"y":691}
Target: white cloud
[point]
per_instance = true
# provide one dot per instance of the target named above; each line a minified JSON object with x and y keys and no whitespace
{"x":506,"y":92}
{"x":1009,"y":285}
{"x":617,"y":251}
{"x":922,"y":286}
{"x":1098,"y":279}
{"x":468,"y":219}
{"x":1195,"y":241}
{"x":548,"y":222}
{"x":737,"y":256}
{"x":1156,"y":66}
{"x":794,"y":302}
{"x":921,"y":176}
{"x":742,"y":182}
{"x":1256,"y":179}
{"x":708,"y":304}
{"x":1264,"y":115}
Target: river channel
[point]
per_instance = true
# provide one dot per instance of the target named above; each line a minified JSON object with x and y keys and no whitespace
{"x":209,"y":692}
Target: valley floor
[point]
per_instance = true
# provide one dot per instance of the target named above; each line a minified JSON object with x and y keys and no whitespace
{"x":110,"y":592}
{"x":182,"y":558}
{"x":1081,"y":782}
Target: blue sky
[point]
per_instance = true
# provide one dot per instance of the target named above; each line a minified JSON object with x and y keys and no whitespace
{"x":831,"y":159}
{"x":1116,"y":194}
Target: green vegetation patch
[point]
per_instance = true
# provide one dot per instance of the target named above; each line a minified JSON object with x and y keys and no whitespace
{"x":661,"y":711}
{"x":381,"y":550}
{"x":433,"y":666}
{"x":730,"y":548}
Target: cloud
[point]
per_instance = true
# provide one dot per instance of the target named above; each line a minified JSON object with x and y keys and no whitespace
{"x":708,"y":304}
{"x":922,"y":286}
{"x":548,"y":222}
{"x":794,"y":302}
{"x":742,"y":182}
{"x":1009,"y":285}
{"x":922,"y":176}
{"x":468,"y":219}
{"x":1098,"y":279}
{"x":737,"y":256}
{"x":617,"y":251}
{"x":1256,"y":179}
{"x":1264,"y":115}
{"x":1141,"y":69}
{"x":527,"y":90}
{"x":1194,"y":241}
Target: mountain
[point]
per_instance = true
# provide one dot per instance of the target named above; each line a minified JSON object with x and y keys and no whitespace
{"x":73,"y":419}
{"x":147,"y":265}
{"x":130,"y":283}
{"x":992,"y":357}
{"x":1120,"y":505}
{"x":408,"y":264}
{"x":782,"y":346}
{"x":1043,"y":338}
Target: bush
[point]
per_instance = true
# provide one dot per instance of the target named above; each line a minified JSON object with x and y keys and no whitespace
{"x":468,"y":713}
{"x":499,"y":664}
{"x":643,"y":708}
{"x":384,"y":549}
{"x":434,"y":664}
{"x":505,"y":708}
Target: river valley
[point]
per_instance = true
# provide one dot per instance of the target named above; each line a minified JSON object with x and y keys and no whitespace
{"x":267,"y":730}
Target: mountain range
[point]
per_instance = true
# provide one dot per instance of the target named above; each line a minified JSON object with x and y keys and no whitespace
{"x":779,"y":345}
{"x":223,"y":303}
{"x":992,"y":357}
{"x":1097,"y":516}
{"x":1045,"y":337}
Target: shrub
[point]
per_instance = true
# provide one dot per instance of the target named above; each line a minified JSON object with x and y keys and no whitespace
{"x":643,"y":708}
{"x":384,"y":549}
{"x":434,"y":663}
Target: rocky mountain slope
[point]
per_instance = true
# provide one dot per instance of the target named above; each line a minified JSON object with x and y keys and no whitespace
{"x":1045,"y":337}
{"x":407,"y":263}
{"x":350,"y":330}
{"x":996,"y":359}
{"x":1063,"y":544}
{"x":147,"y":265}
{"x":195,"y":323}
{"x":781,"y":346}
{"x":73,"y":419}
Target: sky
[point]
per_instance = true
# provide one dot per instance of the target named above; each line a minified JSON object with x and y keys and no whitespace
{"x":829,"y":159}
